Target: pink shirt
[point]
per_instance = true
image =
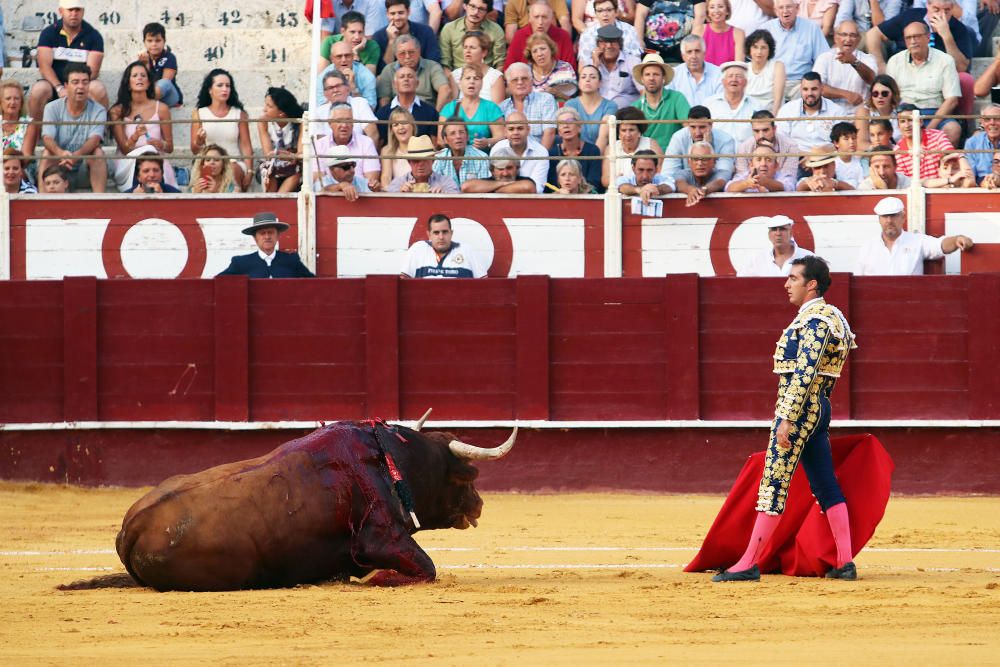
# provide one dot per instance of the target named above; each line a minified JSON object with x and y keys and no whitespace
{"x":719,"y":47}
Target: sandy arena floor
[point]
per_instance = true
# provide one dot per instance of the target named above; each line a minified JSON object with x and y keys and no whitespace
{"x":545,"y":580}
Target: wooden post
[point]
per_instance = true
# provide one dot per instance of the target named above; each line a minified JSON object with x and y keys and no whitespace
{"x":232,"y":348}
{"x":80,"y":349}
{"x":382,"y":346}
{"x":682,"y":379}
{"x":532,"y":400}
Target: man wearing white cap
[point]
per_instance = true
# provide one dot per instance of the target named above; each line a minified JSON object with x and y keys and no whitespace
{"x":267,"y":262}
{"x":777,"y":260}
{"x":901,"y":253}
{"x":733,"y":103}
{"x":68,"y":40}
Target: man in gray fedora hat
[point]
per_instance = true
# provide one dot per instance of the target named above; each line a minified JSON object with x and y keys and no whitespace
{"x":267,"y":262}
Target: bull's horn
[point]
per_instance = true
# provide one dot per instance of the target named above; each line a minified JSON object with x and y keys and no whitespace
{"x":420,"y":422}
{"x":473,"y":453}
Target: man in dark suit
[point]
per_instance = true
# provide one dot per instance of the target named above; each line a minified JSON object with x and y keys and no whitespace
{"x":267,"y":262}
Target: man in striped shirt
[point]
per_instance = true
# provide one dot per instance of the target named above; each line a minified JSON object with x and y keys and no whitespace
{"x":930,"y":141}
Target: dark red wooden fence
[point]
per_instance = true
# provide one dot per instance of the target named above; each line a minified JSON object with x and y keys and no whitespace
{"x":679,"y":347}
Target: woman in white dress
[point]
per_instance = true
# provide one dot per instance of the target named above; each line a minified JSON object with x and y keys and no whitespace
{"x":765,"y":76}
{"x":218,"y":100}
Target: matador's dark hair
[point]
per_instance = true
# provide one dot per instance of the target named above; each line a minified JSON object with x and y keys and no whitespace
{"x":815,"y":268}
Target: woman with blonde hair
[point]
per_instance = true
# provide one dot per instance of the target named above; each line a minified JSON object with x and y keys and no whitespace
{"x":213,"y":171}
{"x":476,"y":47}
{"x":18,"y":132}
{"x":723,"y":42}
{"x":569,"y":177}
{"x":548,"y":73}
{"x":402,"y":127}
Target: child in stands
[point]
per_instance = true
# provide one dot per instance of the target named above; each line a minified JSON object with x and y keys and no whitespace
{"x":56,"y":180}
{"x":162,"y":64}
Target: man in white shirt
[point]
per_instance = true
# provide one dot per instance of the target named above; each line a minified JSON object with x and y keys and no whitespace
{"x":901,"y":253}
{"x":733,"y":103}
{"x":809,"y":133}
{"x":777,"y":260}
{"x":336,"y":90}
{"x":523,"y":146}
{"x":847,"y":73}
{"x":439,"y":256}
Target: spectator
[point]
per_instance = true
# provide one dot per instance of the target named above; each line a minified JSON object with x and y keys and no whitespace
{"x":631,"y":124}
{"x":162,"y":64}
{"x":733,"y":103}
{"x":954,"y":171}
{"x":218,"y":100}
{"x":702,"y":179}
{"x":420,"y":154}
{"x":765,"y":74}
{"x":723,"y":42}
{"x":822,"y":13}
{"x":522,"y":145}
{"x":484,"y":117}
{"x":336,"y":90}
{"x":762,"y":174}
{"x":15,"y":181}
{"x":213,"y":172}
{"x":540,"y":19}
{"x":991,"y":181}
{"x":655,"y":103}
{"x":342,"y":175}
{"x":775,"y":261}
{"x":615,"y":69}
{"x":866,"y":13}
{"x":928,"y":79}
{"x":988,"y":139}
{"x":590,"y":106}
{"x":882,"y":173}
{"x":454,"y":34}
{"x":695,"y":79}
{"x":433,"y":85}
{"x":66,"y":145}
{"x":948,"y":34}
{"x":978,"y":17}
{"x":518,"y":15}
{"x":360,"y":80}
{"x":882,"y":132}
{"x":934,"y":143}
{"x":70,"y":40}
{"x":405,"y":84}
{"x":798,"y":43}
{"x":662,"y":24}
{"x":847,"y":73}
{"x":822,"y":163}
{"x":850,"y":168}
{"x":352,"y":31}
{"x":883,"y":99}
{"x":506,"y":178}
{"x":535,"y":106}
{"x":439,"y":256}
{"x":475,"y":45}
{"x":570,"y":181}
{"x":280,"y":142}
{"x":699,"y":130}
{"x":402,"y":127}
{"x":572,"y":145}
{"x":149,"y":176}
{"x":398,"y":13}
{"x":901,"y":253}
{"x":373,"y":11}
{"x":18,"y":132}
{"x":459,"y":161}
{"x":809,"y":133}
{"x":584,"y":14}
{"x":55,"y":180}
{"x":548,"y":74}
{"x":136,"y":102}
{"x":266,"y":261}
{"x":989,"y":81}
{"x":429,"y":13}
{"x":765,"y":131}
{"x":646,"y":180}
{"x":606,"y":17}
{"x":342,"y":134}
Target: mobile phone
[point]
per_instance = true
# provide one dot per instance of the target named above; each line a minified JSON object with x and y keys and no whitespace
{"x":147,"y":188}
{"x":206,"y":171}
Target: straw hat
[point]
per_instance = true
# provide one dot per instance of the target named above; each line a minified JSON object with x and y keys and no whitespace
{"x":653,"y":60}
{"x":420,"y":148}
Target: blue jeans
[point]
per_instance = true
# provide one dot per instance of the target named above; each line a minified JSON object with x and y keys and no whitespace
{"x":169,"y":94}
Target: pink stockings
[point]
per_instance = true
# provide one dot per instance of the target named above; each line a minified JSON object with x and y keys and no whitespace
{"x":766,"y":524}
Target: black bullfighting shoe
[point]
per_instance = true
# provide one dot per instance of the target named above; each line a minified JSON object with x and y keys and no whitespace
{"x":753,"y":574}
{"x":848,"y":572}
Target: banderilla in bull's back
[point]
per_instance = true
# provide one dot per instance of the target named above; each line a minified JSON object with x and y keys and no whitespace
{"x":318,"y":508}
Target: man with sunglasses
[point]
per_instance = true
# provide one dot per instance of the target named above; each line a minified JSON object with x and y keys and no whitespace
{"x":453,"y":34}
{"x":342,"y":175}
{"x":847,"y":73}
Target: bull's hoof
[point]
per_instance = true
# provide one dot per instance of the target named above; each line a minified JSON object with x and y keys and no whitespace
{"x":753,"y":574}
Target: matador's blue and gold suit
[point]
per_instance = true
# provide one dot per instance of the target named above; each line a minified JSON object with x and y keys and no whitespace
{"x":808,"y":359}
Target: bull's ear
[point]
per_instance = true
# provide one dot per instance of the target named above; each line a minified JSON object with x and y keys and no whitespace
{"x":463,"y":473}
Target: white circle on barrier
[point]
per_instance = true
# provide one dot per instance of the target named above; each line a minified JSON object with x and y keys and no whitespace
{"x":749,"y":239}
{"x":472,"y":234}
{"x":154,"y":248}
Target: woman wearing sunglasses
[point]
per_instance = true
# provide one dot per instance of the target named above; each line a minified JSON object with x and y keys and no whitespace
{"x":883,"y":101}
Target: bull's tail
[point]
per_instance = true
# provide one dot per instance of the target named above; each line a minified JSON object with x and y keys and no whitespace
{"x":119,"y":580}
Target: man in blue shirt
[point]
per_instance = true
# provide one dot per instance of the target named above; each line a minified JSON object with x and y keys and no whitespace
{"x":988,"y":139}
{"x":699,"y":128}
{"x":398,"y":12}
{"x":695,"y":79}
{"x":798,"y":42}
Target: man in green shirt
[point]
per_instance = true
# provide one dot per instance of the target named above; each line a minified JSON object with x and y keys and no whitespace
{"x":475,"y":19}
{"x":352,"y":28}
{"x":656,"y":103}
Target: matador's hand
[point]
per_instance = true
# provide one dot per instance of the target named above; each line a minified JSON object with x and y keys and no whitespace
{"x":781,"y":435}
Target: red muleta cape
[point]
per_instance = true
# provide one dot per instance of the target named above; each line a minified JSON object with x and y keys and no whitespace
{"x":803,"y":544}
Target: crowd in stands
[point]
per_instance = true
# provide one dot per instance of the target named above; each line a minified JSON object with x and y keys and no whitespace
{"x":449,"y":96}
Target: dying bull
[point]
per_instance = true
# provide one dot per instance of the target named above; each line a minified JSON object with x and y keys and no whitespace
{"x":322,"y":507}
